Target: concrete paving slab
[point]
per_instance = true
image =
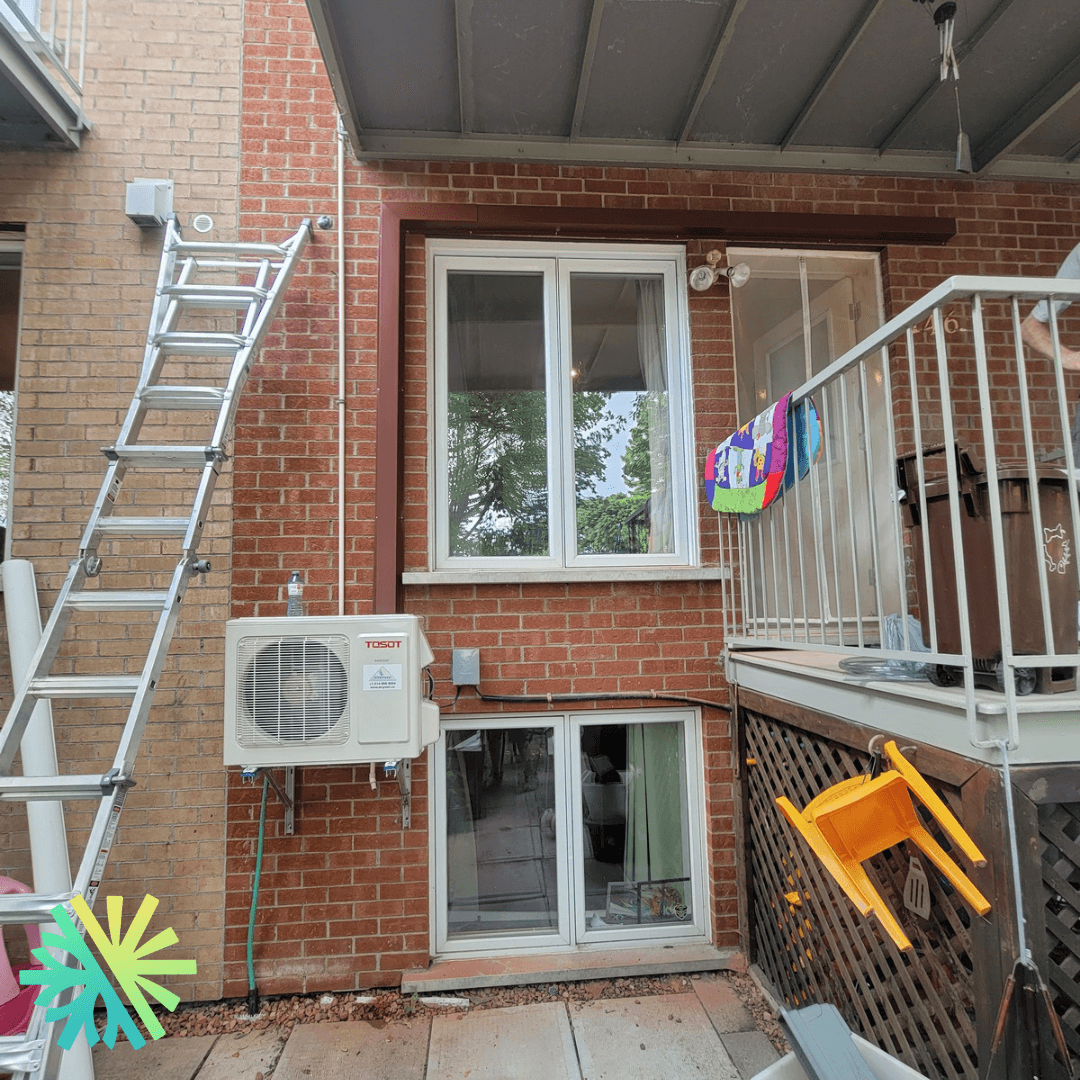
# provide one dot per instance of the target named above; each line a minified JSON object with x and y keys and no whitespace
{"x":524,"y":1042}
{"x":170,"y":1058}
{"x":648,"y":1038}
{"x":242,"y":1055}
{"x":750,"y":1051}
{"x":722,"y":1004}
{"x":375,"y":1050}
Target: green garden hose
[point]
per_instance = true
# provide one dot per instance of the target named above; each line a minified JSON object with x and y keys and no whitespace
{"x":253,"y":990}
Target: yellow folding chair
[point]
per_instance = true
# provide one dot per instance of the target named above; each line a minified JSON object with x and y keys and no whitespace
{"x":857,"y":818}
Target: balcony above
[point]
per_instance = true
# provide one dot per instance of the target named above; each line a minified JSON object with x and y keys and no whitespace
{"x":41,"y":57}
{"x":847,"y":86}
{"x":916,"y":568}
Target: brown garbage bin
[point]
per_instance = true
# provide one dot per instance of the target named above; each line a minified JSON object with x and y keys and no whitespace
{"x":1022,"y":556}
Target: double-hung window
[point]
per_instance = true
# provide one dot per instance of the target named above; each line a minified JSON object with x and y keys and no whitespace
{"x":562,"y":410}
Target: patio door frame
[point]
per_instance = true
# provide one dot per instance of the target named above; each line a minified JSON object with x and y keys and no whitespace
{"x":572,"y":933}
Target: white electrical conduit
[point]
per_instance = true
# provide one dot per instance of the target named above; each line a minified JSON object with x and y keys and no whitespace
{"x":341,"y":360}
{"x":48,"y":837}
{"x":341,"y":381}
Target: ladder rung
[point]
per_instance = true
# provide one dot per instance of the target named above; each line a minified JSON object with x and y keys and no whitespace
{"x":217,"y":247}
{"x":31,"y":907}
{"x":19,"y":1054}
{"x":85,"y":686}
{"x":37,"y":788}
{"x":117,"y":600}
{"x":149,"y":526}
{"x":200,"y":344}
{"x":165,"y":457}
{"x":182,"y":397}
{"x":215,"y":295}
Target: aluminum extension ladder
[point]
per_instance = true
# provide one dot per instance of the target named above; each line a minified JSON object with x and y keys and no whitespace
{"x":235,"y":289}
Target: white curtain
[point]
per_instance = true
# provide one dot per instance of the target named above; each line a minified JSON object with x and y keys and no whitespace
{"x":651,"y":351}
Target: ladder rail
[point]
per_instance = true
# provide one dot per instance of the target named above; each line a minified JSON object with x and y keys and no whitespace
{"x":165,"y":275}
{"x":139,"y":710}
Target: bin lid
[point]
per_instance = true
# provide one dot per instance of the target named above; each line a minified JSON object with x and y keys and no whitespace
{"x":1008,"y":471}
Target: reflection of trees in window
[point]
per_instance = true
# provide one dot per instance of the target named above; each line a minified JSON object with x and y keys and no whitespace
{"x":7,"y":439}
{"x":619,"y":524}
{"x":497,"y":453}
{"x":497,"y":450}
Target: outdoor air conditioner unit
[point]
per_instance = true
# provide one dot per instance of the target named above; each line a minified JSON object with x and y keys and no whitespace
{"x":326,"y":691}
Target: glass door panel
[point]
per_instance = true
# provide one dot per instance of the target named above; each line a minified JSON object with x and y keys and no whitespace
{"x":636,"y":871}
{"x":502,"y":854}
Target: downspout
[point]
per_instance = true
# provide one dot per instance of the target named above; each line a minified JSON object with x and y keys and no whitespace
{"x":341,"y":360}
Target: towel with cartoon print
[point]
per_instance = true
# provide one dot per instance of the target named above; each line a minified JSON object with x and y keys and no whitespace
{"x":753,"y":466}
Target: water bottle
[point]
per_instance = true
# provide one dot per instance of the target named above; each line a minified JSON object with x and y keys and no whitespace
{"x":295,"y":605}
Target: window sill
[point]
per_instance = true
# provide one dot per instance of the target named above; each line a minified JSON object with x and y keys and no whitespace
{"x":564,"y":576}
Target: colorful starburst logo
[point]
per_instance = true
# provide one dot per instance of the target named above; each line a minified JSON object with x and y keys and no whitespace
{"x":124,"y":956}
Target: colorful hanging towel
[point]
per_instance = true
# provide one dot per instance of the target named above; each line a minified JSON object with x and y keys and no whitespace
{"x":750,"y":468}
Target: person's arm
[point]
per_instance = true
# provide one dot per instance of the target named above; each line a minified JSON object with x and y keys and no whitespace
{"x":1036,"y":336}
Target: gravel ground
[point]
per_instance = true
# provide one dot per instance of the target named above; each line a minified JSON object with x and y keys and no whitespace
{"x":285,"y":1012}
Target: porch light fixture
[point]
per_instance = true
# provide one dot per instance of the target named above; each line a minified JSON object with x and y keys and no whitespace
{"x":704,"y":277}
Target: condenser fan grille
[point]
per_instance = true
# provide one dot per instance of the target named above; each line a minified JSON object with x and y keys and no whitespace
{"x":292,"y":690}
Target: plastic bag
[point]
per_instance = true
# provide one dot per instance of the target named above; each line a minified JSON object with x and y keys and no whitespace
{"x":867,"y":669}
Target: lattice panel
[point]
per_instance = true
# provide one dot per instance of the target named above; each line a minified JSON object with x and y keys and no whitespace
{"x":1059,"y":842}
{"x":814,"y":944}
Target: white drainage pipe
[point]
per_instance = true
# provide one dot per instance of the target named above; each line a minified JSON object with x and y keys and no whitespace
{"x":48,"y":837}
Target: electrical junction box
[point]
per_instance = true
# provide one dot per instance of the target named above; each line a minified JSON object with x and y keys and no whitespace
{"x":326,"y":690}
{"x":465,"y":667}
{"x":149,"y":203}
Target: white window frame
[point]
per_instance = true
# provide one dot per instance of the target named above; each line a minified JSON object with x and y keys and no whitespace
{"x":18,"y":247}
{"x":557,"y":261}
{"x":572,"y":933}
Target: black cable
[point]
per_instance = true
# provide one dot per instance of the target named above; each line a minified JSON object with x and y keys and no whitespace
{"x":644,"y":695}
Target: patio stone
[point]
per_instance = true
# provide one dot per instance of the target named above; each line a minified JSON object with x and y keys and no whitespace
{"x":170,"y":1058}
{"x":751,"y":1051}
{"x":647,"y":1038}
{"x":243,"y":1054}
{"x":525,"y":1042}
{"x":375,"y":1050}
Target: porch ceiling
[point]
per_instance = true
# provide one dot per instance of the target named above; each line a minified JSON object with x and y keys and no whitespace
{"x":845,"y":86}
{"x":35,"y":110}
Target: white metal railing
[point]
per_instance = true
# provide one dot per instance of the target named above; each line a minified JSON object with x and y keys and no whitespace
{"x":917,"y":521}
{"x":54,"y":31}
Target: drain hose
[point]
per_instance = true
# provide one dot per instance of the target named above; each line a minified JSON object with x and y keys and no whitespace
{"x":253,"y":990}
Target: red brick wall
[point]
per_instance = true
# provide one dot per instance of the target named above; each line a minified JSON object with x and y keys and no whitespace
{"x":344,"y":901}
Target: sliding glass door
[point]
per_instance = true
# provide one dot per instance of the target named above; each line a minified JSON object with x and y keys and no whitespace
{"x":500,"y":865}
{"x":566,"y":829}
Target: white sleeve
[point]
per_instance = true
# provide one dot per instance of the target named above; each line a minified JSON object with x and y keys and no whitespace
{"x":1070,"y":268}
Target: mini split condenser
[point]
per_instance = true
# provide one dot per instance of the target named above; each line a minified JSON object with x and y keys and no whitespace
{"x":326,"y":691}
